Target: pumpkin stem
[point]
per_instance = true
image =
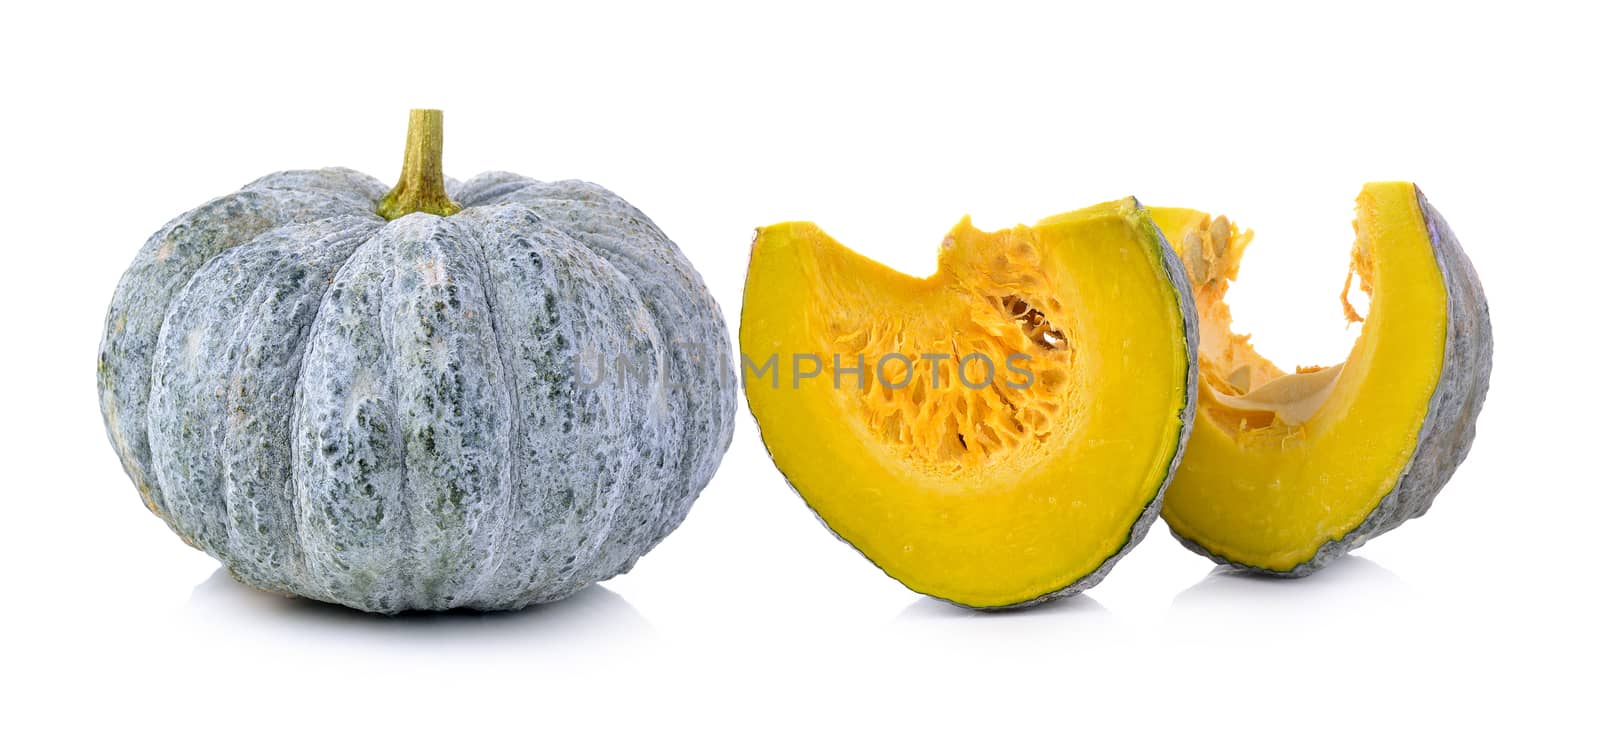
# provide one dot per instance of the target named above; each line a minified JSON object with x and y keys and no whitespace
{"x":421,"y":186}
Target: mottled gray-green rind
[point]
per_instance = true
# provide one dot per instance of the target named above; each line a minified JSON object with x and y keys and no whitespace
{"x":1447,"y":432}
{"x":388,"y":415}
{"x":1177,"y":279}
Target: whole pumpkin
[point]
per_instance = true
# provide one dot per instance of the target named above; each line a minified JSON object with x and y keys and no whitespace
{"x":409,"y":401}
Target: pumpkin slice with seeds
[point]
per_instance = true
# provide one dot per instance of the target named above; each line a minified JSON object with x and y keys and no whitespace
{"x":992,"y":435}
{"x":1289,"y":470}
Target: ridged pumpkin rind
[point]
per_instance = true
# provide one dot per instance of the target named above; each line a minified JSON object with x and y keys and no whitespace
{"x":1448,"y":429}
{"x":384,"y":414}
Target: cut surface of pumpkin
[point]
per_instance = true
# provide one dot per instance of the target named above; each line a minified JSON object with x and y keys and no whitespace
{"x":995,"y":433}
{"x":1288,"y":469}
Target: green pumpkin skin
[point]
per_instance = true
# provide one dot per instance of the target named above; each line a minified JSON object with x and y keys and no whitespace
{"x":392,"y":415}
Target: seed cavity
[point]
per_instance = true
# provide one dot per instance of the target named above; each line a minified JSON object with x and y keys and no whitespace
{"x":1037,"y":327}
{"x":966,"y":408}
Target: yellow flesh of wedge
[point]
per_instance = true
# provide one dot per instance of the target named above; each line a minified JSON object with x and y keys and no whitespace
{"x":993,"y":496}
{"x":1280,"y":464}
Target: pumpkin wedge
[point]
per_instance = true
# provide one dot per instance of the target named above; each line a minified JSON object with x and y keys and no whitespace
{"x":992,"y":435}
{"x":1287,"y":471}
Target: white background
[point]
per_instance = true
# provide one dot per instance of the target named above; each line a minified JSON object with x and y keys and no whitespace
{"x":885,"y":126}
